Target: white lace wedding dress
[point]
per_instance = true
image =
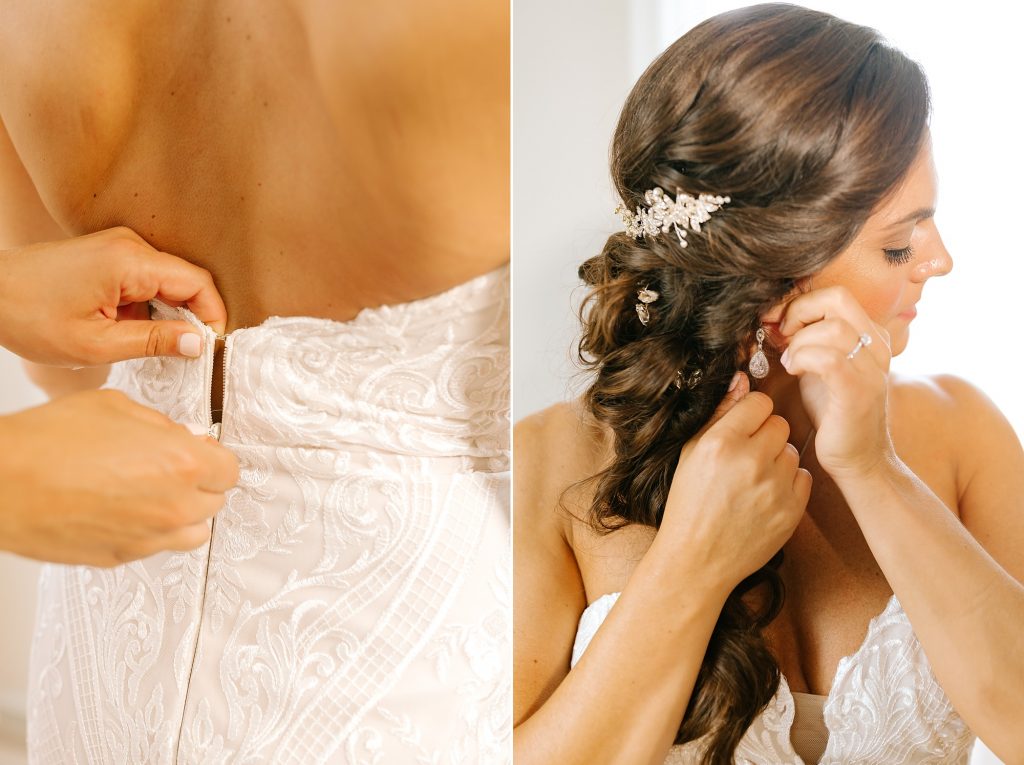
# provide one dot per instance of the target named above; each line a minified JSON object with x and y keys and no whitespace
{"x":354,"y":603}
{"x":885,"y":706}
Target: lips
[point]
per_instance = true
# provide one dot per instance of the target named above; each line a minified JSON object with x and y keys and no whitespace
{"x":910,"y":313}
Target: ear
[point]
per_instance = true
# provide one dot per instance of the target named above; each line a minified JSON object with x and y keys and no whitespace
{"x":774,"y":314}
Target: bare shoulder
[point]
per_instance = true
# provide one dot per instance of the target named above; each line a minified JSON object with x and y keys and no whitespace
{"x":920,"y":407}
{"x":952,"y":405}
{"x":919,"y":394}
{"x":990,"y":467}
{"x":553,"y":450}
{"x":945,"y":417}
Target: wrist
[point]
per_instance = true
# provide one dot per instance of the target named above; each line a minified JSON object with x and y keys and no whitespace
{"x":882,"y":472}
{"x":685,"y":573}
{"x":881,"y":464}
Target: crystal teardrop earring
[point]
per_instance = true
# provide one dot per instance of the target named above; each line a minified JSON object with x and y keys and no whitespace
{"x":759,"y":362}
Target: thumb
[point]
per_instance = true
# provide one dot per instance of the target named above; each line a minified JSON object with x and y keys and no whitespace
{"x":130,"y":339}
{"x":738,"y":388}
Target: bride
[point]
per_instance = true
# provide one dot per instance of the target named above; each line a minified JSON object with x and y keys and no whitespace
{"x":352,"y":602}
{"x":808,"y":560}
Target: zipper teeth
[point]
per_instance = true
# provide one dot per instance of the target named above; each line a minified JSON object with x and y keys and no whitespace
{"x":213,"y":526}
{"x":224,"y":390}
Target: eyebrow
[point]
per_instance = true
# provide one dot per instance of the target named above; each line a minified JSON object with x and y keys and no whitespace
{"x":919,"y":214}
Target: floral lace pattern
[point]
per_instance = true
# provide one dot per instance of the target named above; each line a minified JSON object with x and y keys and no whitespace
{"x":353,"y":603}
{"x":885,"y":704}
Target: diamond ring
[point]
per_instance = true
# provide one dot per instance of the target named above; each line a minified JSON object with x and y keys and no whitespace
{"x":863,"y":340}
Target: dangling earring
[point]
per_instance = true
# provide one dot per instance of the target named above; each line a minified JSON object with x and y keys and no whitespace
{"x":759,"y":362}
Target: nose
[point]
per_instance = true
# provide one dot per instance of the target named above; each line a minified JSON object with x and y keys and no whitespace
{"x":935,"y":262}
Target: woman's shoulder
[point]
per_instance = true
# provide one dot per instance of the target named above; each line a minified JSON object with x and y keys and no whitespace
{"x":938,"y":400}
{"x":565,"y":428}
{"x":554,"y":450}
{"x":945,"y":420}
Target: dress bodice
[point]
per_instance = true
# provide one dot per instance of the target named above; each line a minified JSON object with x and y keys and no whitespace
{"x":353,"y":603}
{"x":885,"y":705}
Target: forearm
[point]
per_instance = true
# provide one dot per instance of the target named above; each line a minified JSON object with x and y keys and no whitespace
{"x":624,"y":700}
{"x":966,"y":610}
{"x":59,"y":381}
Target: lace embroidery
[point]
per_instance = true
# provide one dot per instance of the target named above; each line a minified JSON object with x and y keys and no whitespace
{"x":885,"y":704}
{"x":369,"y":527}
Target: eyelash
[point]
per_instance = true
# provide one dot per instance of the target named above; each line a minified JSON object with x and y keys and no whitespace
{"x":899,"y":257}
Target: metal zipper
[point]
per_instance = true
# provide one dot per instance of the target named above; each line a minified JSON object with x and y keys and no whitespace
{"x":214,"y":429}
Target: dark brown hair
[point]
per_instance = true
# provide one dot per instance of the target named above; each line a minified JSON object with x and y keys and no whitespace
{"x":807,"y":122}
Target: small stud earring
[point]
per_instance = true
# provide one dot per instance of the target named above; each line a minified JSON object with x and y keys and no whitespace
{"x":759,"y":362}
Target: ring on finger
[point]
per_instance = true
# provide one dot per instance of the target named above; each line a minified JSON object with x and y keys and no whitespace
{"x":864,"y":339}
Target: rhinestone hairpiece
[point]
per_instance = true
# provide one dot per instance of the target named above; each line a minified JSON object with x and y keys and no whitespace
{"x":645,"y":296}
{"x":662,"y":214}
{"x":691,"y":382}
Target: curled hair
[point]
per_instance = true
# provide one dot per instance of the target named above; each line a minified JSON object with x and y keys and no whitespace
{"x":807,"y":122}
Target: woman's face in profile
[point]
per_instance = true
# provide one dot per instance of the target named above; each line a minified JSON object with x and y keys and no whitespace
{"x":895,"y":253}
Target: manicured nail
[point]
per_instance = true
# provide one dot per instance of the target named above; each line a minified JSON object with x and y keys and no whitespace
{"x":188,"y":345}
{"x":735,"y":381}
{"x":785,"y":358}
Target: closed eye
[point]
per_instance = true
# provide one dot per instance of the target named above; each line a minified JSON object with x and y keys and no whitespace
{"x":898,"y":257}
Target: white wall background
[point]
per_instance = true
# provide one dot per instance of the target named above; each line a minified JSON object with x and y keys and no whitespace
{"x":574,"y":61}
{"x":17,"y":591}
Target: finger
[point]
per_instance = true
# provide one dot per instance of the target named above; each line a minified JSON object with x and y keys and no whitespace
{"x":130,"y":407}
{"x":802,"y":484}
{"x":833,"y":331}
{"x":138,"y":311}
{"x":839,"y":334}
{"x":843,"y":376}
{"x":176,"y":282}
{"x":739,"y":386}
{"x":748,"y":415}
{"x":788,"y":456}
{"x":772,"y":437}
{"x":205,"y":505}
{"x":222,"y":469}
{"x":186,"y":538}
{"x":825,"y":303}
{"x":131,"y":339}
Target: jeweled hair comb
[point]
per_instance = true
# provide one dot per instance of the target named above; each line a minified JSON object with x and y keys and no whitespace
{"x":663,"y":213}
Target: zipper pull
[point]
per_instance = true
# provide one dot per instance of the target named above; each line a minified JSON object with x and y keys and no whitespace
{"x":214,"y":430}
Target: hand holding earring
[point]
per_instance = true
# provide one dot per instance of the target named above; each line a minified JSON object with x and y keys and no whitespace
{"x":841,"y":358}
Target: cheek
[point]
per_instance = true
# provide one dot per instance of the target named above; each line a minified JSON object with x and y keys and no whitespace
{"x":877,"y":286}
{"x":883,"y":300}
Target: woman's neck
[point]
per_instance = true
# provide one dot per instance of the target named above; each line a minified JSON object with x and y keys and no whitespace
{"x":784,"y":391}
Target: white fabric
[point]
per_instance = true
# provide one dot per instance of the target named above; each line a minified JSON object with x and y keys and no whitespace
{"x":354,"y":603}
{"x":885,"y":705}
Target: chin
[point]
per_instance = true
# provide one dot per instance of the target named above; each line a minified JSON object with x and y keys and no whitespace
{"x":899,"y":342}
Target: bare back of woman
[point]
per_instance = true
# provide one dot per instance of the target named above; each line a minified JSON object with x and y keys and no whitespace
{"x":315,"y":158}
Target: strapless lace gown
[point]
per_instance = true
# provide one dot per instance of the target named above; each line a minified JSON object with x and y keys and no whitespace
{"x":885,"y":705}
{"x":353,"y":605}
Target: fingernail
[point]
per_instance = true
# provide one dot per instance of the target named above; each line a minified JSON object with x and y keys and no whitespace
{"x":735,"y":381}
{"x":188,"y":345}
{"x":785,"y":358}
